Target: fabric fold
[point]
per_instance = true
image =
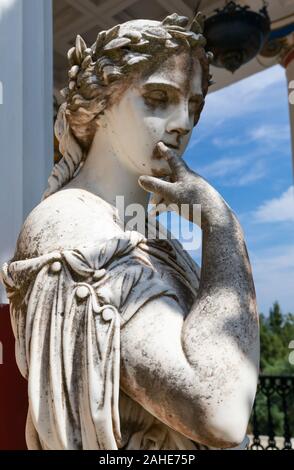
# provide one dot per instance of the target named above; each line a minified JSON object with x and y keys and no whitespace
{"x":67,"y":310}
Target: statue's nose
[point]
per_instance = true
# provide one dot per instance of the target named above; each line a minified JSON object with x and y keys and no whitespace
{"x":179,"y":121}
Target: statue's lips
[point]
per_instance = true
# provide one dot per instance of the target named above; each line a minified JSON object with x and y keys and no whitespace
{"x":157,"y":155}
{"x":171,"y":146}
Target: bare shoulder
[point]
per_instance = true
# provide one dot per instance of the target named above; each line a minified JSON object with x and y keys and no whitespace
{"x":65,"y":220}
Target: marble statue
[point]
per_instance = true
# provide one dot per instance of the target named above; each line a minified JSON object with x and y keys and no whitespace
{"x":124,"y":342}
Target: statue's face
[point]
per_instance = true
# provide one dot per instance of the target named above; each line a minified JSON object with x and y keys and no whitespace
{"x":161,"y":107}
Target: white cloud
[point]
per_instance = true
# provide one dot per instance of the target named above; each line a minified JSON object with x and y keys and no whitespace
{"x":222,"y":167}
{"x":237,"y":100}
{"x":273,"y":273}
{"x":223,"y":142}
{"x":238,"y":170}
{"x":262,"y":80}
{"x":254,"y":173}
{"x":279,"y":209}
{"x":270,"y":134}
{"x":266,"y":134}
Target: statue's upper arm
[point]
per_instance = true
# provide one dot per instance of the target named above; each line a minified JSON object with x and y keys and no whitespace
{"x":154,"y":369}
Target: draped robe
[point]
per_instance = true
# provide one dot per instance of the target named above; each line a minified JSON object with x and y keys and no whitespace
{"x":68,"y":308}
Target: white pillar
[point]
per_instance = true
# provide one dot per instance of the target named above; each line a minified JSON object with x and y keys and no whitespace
{"x":26,"y":134}
{"x":288,"y":62}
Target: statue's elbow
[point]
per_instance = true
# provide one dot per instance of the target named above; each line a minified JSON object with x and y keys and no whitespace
{"x":225,"y":427}
{"x":227,"y":434}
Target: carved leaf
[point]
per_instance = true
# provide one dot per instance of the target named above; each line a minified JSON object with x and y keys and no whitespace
{"x":87,"y":52}
{"x":112,"y":33}
{"x":182,"y":34}
{"x":175,"y":28}
{"x":74,"y":71}
{"x":86,"y":62}
{"x":134,"y":36}
{"x":137,"y":59}
{"x":117,"y":44}
{"x":71,"y":55}
{"x":100,"y":41}
{"x":156,"y":33}
{"x":176,"y":19}
{"x":81,"y":46}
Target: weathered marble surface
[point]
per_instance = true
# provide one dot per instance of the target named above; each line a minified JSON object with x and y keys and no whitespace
{"x":125,"y":344}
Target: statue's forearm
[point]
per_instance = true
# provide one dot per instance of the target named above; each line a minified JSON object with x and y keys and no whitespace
{"x":226,"y":289}
{"x":220,"y":334}
{"x":226,"y":295}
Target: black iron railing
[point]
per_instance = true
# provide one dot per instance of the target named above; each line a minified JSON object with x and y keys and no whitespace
{"x":273,"y":413}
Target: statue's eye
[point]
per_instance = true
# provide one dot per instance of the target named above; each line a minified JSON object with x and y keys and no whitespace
{"x":156,"y":97}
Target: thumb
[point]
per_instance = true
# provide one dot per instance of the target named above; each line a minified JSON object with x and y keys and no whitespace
{"x":155,"y":185}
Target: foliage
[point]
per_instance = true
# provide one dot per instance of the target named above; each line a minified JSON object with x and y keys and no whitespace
{"x":276,"y":333}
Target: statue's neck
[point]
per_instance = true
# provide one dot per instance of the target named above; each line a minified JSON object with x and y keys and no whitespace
{"x":106,"y":175}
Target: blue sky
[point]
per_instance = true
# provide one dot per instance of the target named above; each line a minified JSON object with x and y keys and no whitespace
{"x":242,"y":146}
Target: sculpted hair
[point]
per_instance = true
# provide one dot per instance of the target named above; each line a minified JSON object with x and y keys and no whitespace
{"x":100,"y":73}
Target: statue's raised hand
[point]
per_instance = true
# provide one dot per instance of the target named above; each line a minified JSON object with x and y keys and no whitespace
{"x":186,"y":187}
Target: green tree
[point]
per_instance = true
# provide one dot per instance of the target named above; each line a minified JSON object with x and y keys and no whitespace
{"x":276,"y":332}
{"x":275,"y":318}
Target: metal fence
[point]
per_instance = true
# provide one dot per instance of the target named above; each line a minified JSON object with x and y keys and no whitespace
{"x":272,"y":420}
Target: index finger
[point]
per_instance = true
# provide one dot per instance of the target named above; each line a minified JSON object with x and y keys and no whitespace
{"x":176,"y":163}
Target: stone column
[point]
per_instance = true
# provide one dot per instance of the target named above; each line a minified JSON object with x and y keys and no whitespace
{"x":26,"y":101}
{"x":287,"y":61}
